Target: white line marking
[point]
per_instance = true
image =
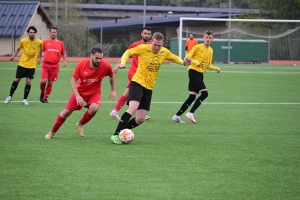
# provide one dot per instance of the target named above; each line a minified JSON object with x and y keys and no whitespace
{"x":212,"y":103}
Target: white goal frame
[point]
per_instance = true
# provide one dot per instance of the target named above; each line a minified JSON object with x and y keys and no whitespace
{"x":218,"y":19}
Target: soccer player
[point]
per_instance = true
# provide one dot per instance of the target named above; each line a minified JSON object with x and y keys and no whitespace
{"x":86,"y":85}
{"x":146,"y":36}
{"x":150,"y":58}
{"x":202,"y":53}
{"x":190,"y":43}
{"x":53,"y":51}
{"x":31,"y":54}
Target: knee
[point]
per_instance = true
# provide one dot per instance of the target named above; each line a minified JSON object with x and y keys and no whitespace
{"x":65,"y":113}
{"x":139,"y":120}
{"x":204,"y":94}
{"x":93,"y":109}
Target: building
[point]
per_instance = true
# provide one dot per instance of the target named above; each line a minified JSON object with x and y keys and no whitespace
{"x":15,"y":18}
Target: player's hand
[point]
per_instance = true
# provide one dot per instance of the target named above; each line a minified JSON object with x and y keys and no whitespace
{"x":187,"y":61}
{"x":116,"y":69}
{"x":113,"y":95}
{"x":39,"y":61}
{"x":79,"y":100}
{"x":199,"y":65}
{"x":121,"y":66}
{"x":11,"y":58}
{"x":218,"y":70}
{"x":65,"y":63}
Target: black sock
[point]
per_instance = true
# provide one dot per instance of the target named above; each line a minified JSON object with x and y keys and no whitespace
{"x":13,"y":88}
{"x":199,"y":100}
{"x":123,"y":122}
{"x":131,"y":124}
{"x":26,"y":91}
{"x":186,"y":104}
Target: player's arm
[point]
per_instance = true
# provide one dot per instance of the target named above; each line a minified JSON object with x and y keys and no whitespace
{"x":64,"y":56}
{"x":191,"y":54}
{"x":112,"y":81}
{"x":187,"y":61}
{"x":116,"y":69}
{"x":15,"y":54}
{"x":210,"y":67}
{"x":124,"y":58}
{"x":79,"y":99}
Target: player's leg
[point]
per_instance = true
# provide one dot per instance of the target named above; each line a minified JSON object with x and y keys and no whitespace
{"x":93,"y":103}
{"x":53,"y":72}
{"x":192,"y":86}
{"x":20,"y":73}
{"x":120,"y":103}
{"x":29,"y":77}
{"x":61,"y":118}
{"x":142,"y":110}
{"x":134,"y":98}
{"x":204,"y":94}
{"x":44,"y":80}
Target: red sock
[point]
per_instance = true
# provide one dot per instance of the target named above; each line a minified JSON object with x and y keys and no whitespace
{"x":59,"y":121}
{"x":48,"y":91}
{"x":121,"y":101}
{"x":86,"y":117}
{"x":42,"y":87}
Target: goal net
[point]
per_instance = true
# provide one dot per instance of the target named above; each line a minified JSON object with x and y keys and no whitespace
{"x":243,"y":40}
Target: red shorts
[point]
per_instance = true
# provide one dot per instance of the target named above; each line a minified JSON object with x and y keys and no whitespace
{"x":72,"y":103}
{"x":50,"y":71}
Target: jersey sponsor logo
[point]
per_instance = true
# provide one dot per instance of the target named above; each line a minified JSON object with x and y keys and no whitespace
{"x":53,"y":50}
{"x":90,"y":80}
{"x":154,"y":65}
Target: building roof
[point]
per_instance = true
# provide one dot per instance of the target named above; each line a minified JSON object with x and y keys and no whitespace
{"x":165,"y":20}
{"x":16,"y":16}
{"x":163,"y":9}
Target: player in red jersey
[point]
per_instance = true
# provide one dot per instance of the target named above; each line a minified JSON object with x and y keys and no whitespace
{"x":86,"y":86}
{"x":146,"y":36}
{"x":53,"y":51}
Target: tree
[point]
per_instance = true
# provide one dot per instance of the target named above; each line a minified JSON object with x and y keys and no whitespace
{"x":72,"y":28}
{"x":278,"y":9}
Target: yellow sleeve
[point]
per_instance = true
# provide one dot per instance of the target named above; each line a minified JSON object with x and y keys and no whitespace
{"x":209,"y":66}
{"x":172,"y":57}
{"x":125,"y":56}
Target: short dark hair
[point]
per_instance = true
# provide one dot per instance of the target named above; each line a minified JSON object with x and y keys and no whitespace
{"x":96,"y":49}
{"x":53,"y":27}
{"x":147,"y":28}
{"x":31,"y":28}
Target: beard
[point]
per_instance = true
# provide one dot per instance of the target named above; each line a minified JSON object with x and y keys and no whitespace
{"x":95,"y":64}
{"x":145,"y":40}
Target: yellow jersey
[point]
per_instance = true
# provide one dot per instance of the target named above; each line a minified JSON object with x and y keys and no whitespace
{"x":30,"y":49}
{"x":203,"y":55}
{"x":149,"y":63}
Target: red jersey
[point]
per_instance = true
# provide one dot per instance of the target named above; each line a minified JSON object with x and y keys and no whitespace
{"x":134,"y":64}
{"x":89,"y":79}
{"x":53,"y":50}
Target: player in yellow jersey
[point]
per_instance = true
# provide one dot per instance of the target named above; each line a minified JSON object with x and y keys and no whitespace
{"x":31,"y":54}
{"x":202,"y":53}
{"x":150,"y":58}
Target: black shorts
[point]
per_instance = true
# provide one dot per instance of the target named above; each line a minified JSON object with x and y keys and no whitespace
{"x":23,"y":72}
{"x":140,"y":94}
{"x":196,"y":81}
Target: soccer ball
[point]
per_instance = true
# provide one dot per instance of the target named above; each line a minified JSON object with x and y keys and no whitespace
{"x":126,"y":136}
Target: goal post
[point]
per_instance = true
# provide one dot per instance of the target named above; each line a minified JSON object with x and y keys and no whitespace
{"x":244,"y":40}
